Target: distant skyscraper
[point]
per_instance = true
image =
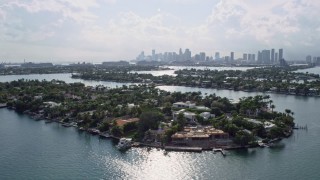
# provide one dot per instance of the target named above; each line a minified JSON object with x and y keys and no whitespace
{"x":259,"y":57}
{"x":181,"y":58}
{"x":232,"y":56}
{"x":226,"y":58}
{"x":187,"y":55}
{"x":308,"y":59}
{"x":245,"y":56}
{"x":141,"y":56}
{"x":217,"y":55}
{"x":202,"y":56}
{"x":249,"y":57}
{"x":170,"y":56}
{"x":276,"y":57}
{"x":253,"y":57}
{"x":280,"y":54}
{"x":272,"y":56}
{"x":153,"y":54}
{"x":318,"y":61}
{"x":265,"y":56}
{"x":314,"y":59}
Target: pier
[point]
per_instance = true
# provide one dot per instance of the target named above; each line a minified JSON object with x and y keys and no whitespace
{"x":301,"y":127}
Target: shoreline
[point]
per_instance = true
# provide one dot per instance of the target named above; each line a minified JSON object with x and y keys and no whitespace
{"x":136,"y":144}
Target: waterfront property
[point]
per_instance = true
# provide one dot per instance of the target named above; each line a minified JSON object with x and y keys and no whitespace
{"x":189,"y":105}
{"x":201,"y":136}
{"x":143,"y":113}
{"x":190,"y":117}
{"x":183,"y":105}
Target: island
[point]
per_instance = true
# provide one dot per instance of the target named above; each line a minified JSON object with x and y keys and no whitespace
{"x":150,"y":116}
{"x":272,"y":79}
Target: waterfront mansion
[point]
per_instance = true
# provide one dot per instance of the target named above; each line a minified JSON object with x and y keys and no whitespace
{"x":201,"y":136}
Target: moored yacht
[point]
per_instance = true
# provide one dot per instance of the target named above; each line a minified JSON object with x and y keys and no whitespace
{"x":124,"y":143}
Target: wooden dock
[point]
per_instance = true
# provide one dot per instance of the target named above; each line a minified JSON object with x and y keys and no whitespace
{"x":300,"y":127}
{"x":187,"y":149}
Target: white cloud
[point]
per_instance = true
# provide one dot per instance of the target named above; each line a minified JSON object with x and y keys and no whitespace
{"x":233,"y":25}
{"x":77,"y":10}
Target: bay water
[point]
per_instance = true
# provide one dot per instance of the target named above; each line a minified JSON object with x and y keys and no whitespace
{"x":34,"y":150}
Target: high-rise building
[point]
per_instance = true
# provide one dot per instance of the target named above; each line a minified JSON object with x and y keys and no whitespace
{"x":245,"y":56}
{"x":202,"y":56}
{"x":170,"y":56}
{"x":249,"y":57}
{"x":318,"y":61}
{"x":280,"y":54}
{"x":181,"y":58}
{"x":276,"y":57}
{"x":309,"y":59}
{"x":272,"y":56}
{"x":187,"y":55}
{"x":314,"y":59}
{"x":253,"y":56}
{"x":217,"y":55}
{"x":141,"y":56}
{"x":232,"y":56}
{"x":175,"y":56}
{"x":153,"y":54}
{"x":259,"y":57}
{"x":265,"y":56}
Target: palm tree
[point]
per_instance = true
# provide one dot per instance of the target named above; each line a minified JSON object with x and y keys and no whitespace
{"x":270,"y":101}
{"x":288,"y":111}
{"x":272,"y":106}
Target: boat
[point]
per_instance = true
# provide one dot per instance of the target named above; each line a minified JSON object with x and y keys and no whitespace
{"x":66,"y":124}
{"x":48,"y":121}
{"x":81,"y":129}
{"x":104,"y":135}
{"x":93,"y":131}
{"x":124,"y":143}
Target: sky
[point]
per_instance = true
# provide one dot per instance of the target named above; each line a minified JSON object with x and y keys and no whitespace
{"x":109,"y":30}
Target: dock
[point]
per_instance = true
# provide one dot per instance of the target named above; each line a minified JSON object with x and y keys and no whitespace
{"x":220,"y":150}
{"x":187,"y":149}
{"x":104,"y":135}
{"x":300,"y":127}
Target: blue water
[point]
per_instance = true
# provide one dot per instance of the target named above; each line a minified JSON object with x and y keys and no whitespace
{"x":63,"y":77}
{"x":314,"y":70}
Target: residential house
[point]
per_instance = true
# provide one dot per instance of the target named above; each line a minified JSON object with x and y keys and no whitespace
{"x":207,"y":115}
{"x":189,"y":116}
{"x":201,"y":136}
{"x":187,"y":104}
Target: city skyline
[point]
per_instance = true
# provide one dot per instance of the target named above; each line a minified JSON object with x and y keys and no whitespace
{"x":106,"y":30}
{"x":272,"y":56}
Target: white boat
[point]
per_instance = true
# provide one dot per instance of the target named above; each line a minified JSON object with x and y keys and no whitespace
{"x":124,"y":143}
